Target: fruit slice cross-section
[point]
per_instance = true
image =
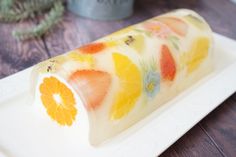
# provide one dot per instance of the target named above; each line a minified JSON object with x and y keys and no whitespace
{"x":91,"y":85}
{"x":58,"y":100}
{"x":167,"y":64}
{"x":195,"y":21}
{"x":197,"y":54}
{"x":176,"y":25}
{"x":92,"y":48}
{"x":130,"y":86}
{"x":157,"y":28}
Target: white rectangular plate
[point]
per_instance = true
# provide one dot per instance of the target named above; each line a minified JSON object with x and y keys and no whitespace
{"x":24,"y":134}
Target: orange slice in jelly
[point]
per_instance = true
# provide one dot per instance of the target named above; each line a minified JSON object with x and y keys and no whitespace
{"x":58,"y":100}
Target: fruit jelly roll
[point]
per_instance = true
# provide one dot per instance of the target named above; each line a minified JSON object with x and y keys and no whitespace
{"x":104,"y":87}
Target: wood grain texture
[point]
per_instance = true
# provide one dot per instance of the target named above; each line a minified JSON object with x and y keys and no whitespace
{"x":220,"y":126}
{"x":193,"y":146}
{"x":16,"y":55}
{"x":214,"y":136}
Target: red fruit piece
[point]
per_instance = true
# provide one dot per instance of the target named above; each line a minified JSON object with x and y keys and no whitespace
{"x":92,"y":48}
{"x":167,"y":64}
{"x":176,"y":25}
{"x":91,"y":85}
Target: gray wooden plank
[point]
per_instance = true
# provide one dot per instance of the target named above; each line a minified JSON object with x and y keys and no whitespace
{"x":17,"y":55}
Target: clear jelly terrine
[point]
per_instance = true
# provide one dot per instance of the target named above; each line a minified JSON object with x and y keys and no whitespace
{"x":106,"y":86}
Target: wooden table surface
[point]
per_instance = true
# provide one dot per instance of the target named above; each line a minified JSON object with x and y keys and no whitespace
{"x":214,"y":136}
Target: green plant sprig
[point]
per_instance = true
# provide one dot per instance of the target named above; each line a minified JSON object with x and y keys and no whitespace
{"x":50,"y":20}
{"x":18,"y":10}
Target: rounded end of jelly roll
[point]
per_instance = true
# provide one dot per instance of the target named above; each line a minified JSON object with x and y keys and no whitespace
{"x":59,"y":106}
